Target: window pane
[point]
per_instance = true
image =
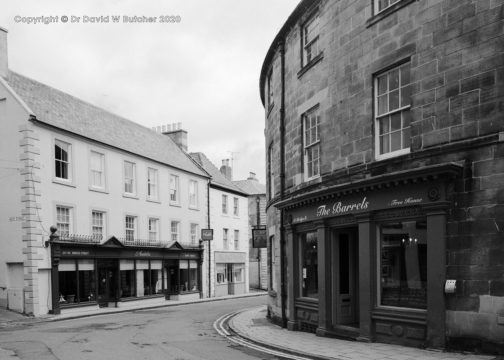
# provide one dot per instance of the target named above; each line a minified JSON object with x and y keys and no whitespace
{"x":382,"y":104}
{"x":393,"y":79}
{"x":403,"y":264}
{"x":395,"y":141}
{"x":384,"y":125}
{"x":395,"y":121}
{"x":382,"y":85}
{"x":405,"y":74}
{"x":384,"y":144}
{"x":406,"y":95}
{"x":309,"y":265}
{"x":394,"y":100}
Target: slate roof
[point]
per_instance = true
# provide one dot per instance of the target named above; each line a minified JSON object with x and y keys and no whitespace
{"x":66,"y":112}
{"x":251,"y":187}
{"x":218,"y":178}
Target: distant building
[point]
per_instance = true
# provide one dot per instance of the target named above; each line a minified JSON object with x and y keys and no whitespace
{"x":385,"y":171}
{"x":127,"y":202}
{"x":229,"y":221}
{"x":258,"y":257}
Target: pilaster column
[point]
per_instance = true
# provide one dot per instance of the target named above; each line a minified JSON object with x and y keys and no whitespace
{"x":292,"y":279}
{"x":366,"y":271}
{"x":324,"y":278}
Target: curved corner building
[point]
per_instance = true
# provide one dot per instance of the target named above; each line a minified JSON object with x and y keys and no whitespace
{"x":385,"y":171}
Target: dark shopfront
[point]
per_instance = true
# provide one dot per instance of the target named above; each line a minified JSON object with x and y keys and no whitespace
{"x":89,"y":273}
{"x":368,"y":259}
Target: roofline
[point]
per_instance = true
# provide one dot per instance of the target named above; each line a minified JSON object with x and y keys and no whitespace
{"x":17,"y":97}
{"x":279,"y":38}
{"x":222,"y":187}
{"x":36,"y":121}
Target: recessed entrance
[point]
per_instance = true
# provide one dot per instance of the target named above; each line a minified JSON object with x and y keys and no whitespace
{"x":107,"y":281}
{"x":344,"y":258}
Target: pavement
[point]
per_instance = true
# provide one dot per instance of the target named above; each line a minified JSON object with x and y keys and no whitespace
{"x":252,"y":325}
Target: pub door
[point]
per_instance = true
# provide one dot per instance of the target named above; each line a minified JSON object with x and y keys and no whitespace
{"x":345,"y":276}
{"x":108,"y":272}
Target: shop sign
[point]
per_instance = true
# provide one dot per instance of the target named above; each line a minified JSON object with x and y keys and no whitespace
{"x":206,"y":234}
{"x":143,"y":254}
{"x":189,"y":256}
{"x":397,"y":198}
{"x":259,"y":238}
{"x":75,"y":252}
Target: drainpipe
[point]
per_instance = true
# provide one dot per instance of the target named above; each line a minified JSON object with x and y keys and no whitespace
{"x":209,"y":242}
{"x":283,"y":288}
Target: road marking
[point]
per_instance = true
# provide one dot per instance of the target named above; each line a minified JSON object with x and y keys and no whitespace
{"x":220,"y":326}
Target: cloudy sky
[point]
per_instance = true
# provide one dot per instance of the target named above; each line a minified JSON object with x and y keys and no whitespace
{"x":202,"y":71}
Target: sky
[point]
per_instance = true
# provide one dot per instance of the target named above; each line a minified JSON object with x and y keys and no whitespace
{"x":201,"y":71}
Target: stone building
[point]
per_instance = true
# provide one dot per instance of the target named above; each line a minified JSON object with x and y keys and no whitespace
{"x":258,"y":256}
{"x":385,"y":171}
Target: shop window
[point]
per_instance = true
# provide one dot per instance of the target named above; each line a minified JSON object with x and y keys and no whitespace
{"x":129,"y":178}
{"x":152,"y":184}
{"x":76,"y":281}
{"x":237,"y":271}
{"x":309,"y":265}
{"x":174,"y":190}
{"x":62,"y":157}
{"x":127,"y":278}
{"x":152,"y":283}
{"x":392,"y":112}
{"x":403,"y":264}
{"x":188,"y":275}
{"x":311,"y":141}
{"x":220,"y":270}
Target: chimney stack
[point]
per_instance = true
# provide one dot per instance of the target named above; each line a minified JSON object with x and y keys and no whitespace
{"x":4,"y":68}
{"x":175,"y":132}
{"x":252,"y":176}
{"x":226,"y":170}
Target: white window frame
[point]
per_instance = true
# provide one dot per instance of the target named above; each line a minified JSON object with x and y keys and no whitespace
{"x":130,"y":227}
{"x":153,"y":228}
{"x":271,"y":174}
{"x":193,"y":194}
{"x":152,"y":184}
{"x":310,"y":39}
{"x":95,"y":225}
{"x":225,"y":239}
{"x":174,"y":190}
{"x":63,"y":163}
{"x":193,"y":235}
{"x":224,"y":204}
{"x":236,"y":206}
{"x":175,"y":230}
{"x":403,"y":110}
{"x":64,"y":219}
{"x":100,"y":172}
{"x":237,"y":239}
{"x":389,"y":2}
{"x":313,"y":144}
{"x":129,"y":180}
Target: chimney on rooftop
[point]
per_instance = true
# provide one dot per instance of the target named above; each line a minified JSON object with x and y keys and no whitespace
{"x":4,"y":68}
{"x":226,"y":170}
{"x":252,"y":176}
{"x":175,"y":132}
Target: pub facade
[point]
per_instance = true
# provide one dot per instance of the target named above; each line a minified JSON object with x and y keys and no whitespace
{"x":385,"y":176}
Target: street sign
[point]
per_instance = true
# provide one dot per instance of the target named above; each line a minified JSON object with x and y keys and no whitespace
{"x":259,"y":238}
{"x":206,"y":234}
